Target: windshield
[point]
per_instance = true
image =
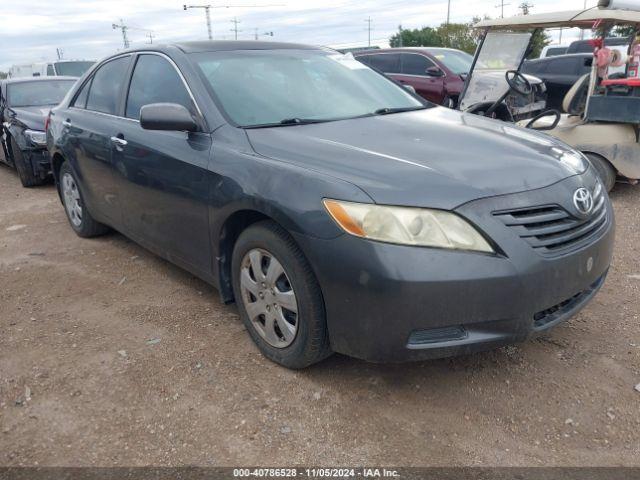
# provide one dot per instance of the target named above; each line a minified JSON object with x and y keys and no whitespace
{"x":72,"y":69}
{"x":503,"y":51}
{"x":37,"y":94}
{"x":456,"y":61}
{"x":265,"y":87}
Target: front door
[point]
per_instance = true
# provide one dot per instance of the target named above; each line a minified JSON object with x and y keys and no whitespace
{"x":162,"y":177}
{"x":415,"y":73}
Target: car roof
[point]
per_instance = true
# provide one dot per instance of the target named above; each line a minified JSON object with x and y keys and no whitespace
{"x":45,"y":78}
{"x":231,"y":45}
{"x":573,"y":18}
{"x":407,"y":49}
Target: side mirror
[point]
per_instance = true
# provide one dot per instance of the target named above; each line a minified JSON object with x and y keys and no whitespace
{"x":434,"y":72}
{"x":167,"y":116}
{"x":410,"y":88}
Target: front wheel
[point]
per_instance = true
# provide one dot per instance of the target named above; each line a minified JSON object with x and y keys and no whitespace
{"x":606,"y":171}
{"x":79,"y":217}
{"x":25,"y":172}
{"x":278,"y":297}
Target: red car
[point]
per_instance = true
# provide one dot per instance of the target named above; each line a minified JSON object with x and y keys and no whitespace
{"x":437,"y":74}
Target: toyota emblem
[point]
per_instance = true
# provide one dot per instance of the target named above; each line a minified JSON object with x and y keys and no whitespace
{"x":583,"y":201}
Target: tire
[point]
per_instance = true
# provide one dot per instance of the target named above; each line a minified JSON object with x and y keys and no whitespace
{"x":78,"y":215}
{"x":25,"y":172}
{"x":449,"y":102}
{"x":606,"y":171}
{"x":258,"y":246}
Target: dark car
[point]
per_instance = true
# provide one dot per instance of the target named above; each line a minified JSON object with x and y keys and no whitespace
{"x":559,"y":74}
{"x":24,"y":106}
{"x":341,"y":212}
{"x":436,"y":74}
{"x":587,"y":46}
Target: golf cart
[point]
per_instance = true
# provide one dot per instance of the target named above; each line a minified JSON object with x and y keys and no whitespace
{"x":601,"y":115}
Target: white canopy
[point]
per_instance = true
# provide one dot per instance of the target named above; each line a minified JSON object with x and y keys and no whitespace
{"x":576,"y":18}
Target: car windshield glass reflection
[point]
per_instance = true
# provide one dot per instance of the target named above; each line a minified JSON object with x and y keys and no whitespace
{"x":37,"y":94}
{"x":292,"y":87}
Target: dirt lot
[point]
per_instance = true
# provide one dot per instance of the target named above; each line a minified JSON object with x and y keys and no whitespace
{"x":111,"y":356}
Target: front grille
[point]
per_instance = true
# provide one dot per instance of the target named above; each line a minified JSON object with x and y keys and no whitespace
{"x":552,"y":230}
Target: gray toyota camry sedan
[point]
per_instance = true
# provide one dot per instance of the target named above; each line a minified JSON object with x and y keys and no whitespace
{"x":338,"y":210}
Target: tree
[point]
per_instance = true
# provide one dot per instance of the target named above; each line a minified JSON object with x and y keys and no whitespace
{"x":458,"y":35}
{"x":425,"y":37}
{"x":621,"y":31}
{"x":539,"y":40}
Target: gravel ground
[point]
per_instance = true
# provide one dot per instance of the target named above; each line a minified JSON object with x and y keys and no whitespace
{"x":111,"y":356}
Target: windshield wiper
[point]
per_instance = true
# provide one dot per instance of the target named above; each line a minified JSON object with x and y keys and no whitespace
{"x":290,"y":121}
{"x":389,"y":111}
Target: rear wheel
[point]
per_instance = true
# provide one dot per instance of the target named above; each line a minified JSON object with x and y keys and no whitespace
{"x":606,"y":171}
{"x":25,"y":172}
{"x":278,"y":297}
{"x":79,"y":217}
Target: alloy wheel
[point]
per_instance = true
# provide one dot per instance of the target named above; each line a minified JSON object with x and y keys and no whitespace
{"x":268,"y":298}
{"x":71,"y":197}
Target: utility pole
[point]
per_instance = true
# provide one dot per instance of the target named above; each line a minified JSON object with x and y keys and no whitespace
{"x":235,"y":22}
{"x":400,"y":36}
{"x":207,"y":13}
{"x":123,"y":28}
{"x":150,"y":35}
{"x":59,"y":53}
{"x":368,"y":20}
{"x":501,"y":6}
{"x":525,"y":6}
{"x":448,"y":12}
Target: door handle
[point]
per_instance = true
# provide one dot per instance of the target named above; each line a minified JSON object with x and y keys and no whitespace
{"x":121,"y":142}
{"x":66,"y":123}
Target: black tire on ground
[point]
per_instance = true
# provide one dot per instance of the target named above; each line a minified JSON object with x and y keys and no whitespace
{"x":87,"y":227}
{"x":605,"y":170}
{"x":311,"y":342}
{"x":25,"y":172}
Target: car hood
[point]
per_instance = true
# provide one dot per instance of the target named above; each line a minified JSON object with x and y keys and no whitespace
{"x":437,"y":158}
{"x":32,"y":117}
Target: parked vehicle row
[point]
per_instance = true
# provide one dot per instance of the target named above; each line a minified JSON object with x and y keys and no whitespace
{"x":341,"y":212}
{"x":24,"y":106}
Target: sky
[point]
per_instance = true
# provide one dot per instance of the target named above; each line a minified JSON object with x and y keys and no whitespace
{"x":32,"y":31}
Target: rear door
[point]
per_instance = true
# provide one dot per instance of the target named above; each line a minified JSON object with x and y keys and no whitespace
{"x":414,"y":68}
{"x":162,"y":176}
{"x":90,"y":123}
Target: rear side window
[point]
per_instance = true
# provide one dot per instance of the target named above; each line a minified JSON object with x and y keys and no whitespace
{"x":385,"y":62}
{"x":106,"y":86}
{"x":413,"y":64}
{"x":155,"y":80}
{"x":50,"y":71}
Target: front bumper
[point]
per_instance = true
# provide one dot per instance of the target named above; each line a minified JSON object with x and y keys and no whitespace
{"x":395,"y":303}
{"x":39,"y":161}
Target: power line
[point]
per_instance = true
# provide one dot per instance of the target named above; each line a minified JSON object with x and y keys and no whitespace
{"x":207,"y":11}
{"x":256,"y":35}
{"x":448,"y":12}
{"x":525,"y":7}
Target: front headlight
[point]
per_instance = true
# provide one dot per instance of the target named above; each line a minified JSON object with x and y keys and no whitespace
{"x":407,"y":226}
{"x":36,"y":137}
{"x":575,"y":161}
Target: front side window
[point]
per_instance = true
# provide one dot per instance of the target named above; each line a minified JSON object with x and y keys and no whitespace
{"x":261,"y":87}
{"x":155,"y":80}
{"x":106,"y":86}
{"x":413,"y":64}
{"x":37,"y":94}
{"x":50,"y":71}
{"x":81,"y":99}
